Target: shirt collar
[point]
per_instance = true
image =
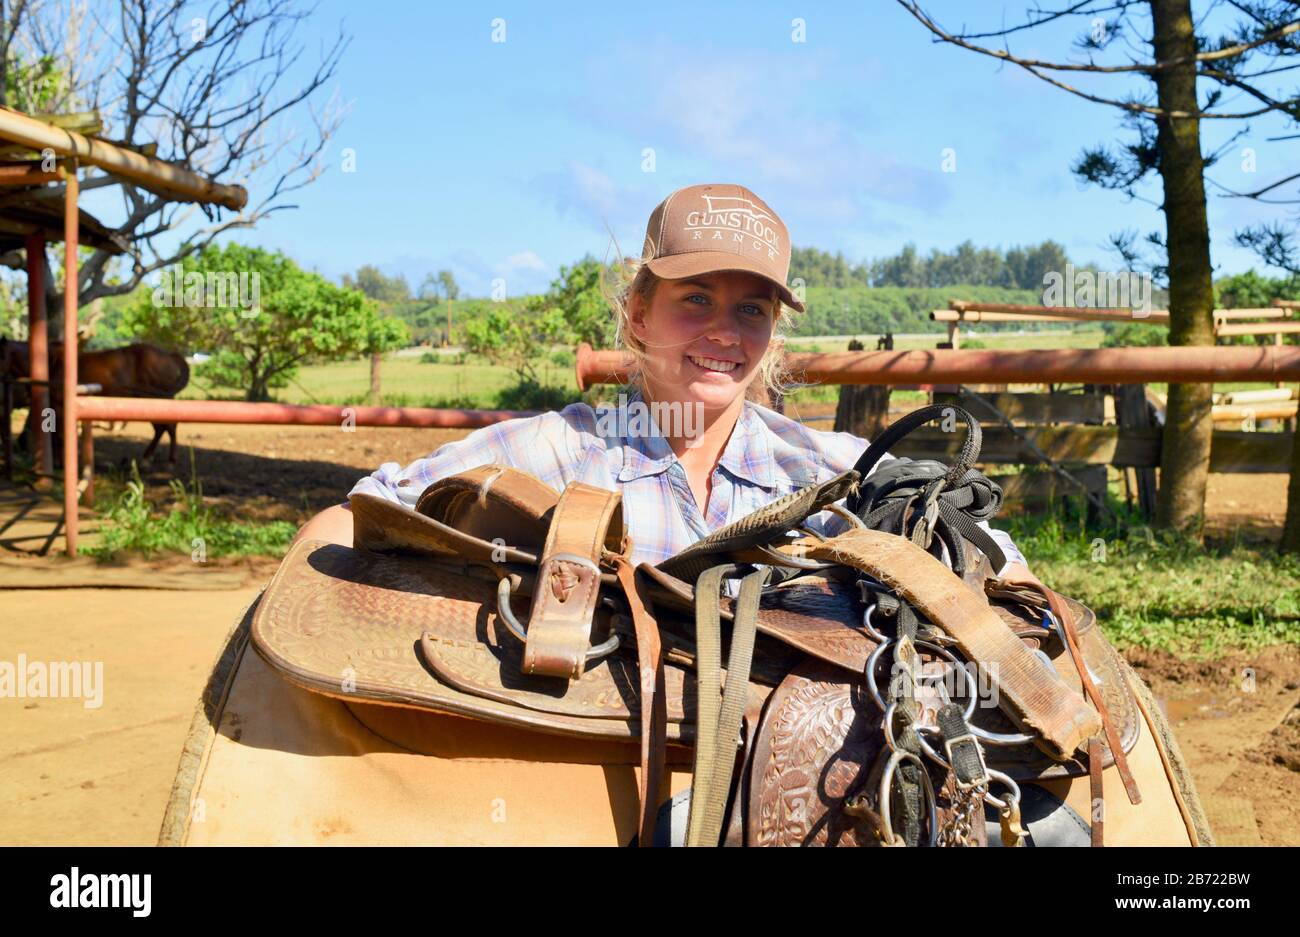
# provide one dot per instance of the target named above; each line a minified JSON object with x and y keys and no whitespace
{"x":748,"y":454}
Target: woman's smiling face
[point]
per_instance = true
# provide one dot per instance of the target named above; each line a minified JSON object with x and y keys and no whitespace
{"x":705,"y":336}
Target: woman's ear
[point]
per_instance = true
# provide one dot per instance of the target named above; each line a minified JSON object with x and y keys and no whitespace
{"x":636,"y":315}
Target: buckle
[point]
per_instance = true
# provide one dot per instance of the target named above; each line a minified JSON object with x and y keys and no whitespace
{"x":967,"y":738}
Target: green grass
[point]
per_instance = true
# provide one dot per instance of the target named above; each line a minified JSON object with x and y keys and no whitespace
{"x":130,"y":523}
{"x":406,"y":381}
{"x":1162,"y":590}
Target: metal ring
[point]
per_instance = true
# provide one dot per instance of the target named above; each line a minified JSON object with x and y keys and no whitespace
{"x":1012,"y":798}
{"x":871,"y":629}
{"x":874,"y":689}
{"x":870,"y":674}
{"x":781,"y":559}
{"x":507,"y":615}
{"x":841,"y":511}
{"x":505,"y":612}
{"x":886,"y":818}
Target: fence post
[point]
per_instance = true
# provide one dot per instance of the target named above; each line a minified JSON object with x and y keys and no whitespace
{"x":863,"y":409}
{"x":1133,"y":412}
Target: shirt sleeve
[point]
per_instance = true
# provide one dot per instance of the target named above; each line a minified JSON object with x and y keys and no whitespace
{"x":549,"y":446}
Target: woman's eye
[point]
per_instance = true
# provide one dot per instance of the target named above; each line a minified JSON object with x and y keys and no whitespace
{"x":753,"y":310}
{"x":694,"y":296}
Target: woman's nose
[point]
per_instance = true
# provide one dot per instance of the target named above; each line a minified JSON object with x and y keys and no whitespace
{"x":724,"y":328}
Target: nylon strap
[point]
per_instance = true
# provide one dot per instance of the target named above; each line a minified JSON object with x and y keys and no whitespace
{"x":718,"y":720}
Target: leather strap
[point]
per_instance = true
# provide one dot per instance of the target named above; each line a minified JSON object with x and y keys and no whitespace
{"x":1068,"y":625}
{"x":1096,"y":792}
{"x":1032,"y":692}
{"x":587,"y":522}
{"x":654,"y":705}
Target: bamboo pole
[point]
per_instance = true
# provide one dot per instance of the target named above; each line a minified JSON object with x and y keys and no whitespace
{"x":1086,"y":313}
{"x":1257,"y":328}
{"x":153,"y":174}
{"x":71,"y":476}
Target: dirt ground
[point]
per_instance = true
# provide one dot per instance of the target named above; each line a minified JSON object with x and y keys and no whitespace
{"x":101,"y":776}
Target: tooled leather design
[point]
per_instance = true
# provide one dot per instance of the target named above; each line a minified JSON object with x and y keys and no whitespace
{"x":815,"y":740}
{"x":350,"y":624}
{"x":820,"y":744}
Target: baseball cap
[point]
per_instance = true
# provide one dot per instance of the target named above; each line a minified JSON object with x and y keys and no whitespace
{"x":708,"y":228}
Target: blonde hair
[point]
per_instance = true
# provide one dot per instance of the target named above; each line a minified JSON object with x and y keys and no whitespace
{"x":633,"y":278}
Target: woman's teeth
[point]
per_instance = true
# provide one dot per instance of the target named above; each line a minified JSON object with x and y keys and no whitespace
{"x":714,"y":364}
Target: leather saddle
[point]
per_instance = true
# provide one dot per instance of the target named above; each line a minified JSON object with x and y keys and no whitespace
{"x":848,"y":689}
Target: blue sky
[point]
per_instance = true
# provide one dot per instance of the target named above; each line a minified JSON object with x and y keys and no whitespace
{"x":508,"y":159}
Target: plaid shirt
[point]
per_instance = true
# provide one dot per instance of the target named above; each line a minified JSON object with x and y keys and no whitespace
{"x":768,"y":455}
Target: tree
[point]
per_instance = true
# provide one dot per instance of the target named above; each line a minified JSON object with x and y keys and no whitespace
{"x":383,"y":289}
{"x":387,"y":292}
{"x":1165,"y":113}
{"x":439,"y":286}
{"x":213,"y":90}
{"x":572,"y":311}
{"x":260,"y":328}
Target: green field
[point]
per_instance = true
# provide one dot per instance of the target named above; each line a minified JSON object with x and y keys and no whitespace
{"x":406,"y":381}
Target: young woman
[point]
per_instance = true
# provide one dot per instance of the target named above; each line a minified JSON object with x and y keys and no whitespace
{"x":702,"y":315}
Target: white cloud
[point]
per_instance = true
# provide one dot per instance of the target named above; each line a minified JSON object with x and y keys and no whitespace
{"x":524,"y":260}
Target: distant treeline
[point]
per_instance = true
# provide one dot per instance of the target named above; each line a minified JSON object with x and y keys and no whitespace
{"x":857,"y":310}
{"x":1019,"y":268}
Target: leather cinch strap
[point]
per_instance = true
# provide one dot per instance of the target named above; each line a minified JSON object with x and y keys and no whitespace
{"x":586,"y":520}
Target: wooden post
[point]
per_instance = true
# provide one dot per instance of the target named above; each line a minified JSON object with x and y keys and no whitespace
{"x":863,"y":410}
{"x":38,"y":356}
{"x":86,"y":481}
{"x":6,"y":428}
{"x":71,"y":233}
{"x":1131,"y":411}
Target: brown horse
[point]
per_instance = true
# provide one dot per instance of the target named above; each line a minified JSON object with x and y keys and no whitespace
{"x":137,"y":370}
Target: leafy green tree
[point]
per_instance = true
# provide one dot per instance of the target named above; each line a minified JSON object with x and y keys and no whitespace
{"x":281,"y":316}
{"x":1250,"y":290}
{"x":439,"y":287}
{"x":517,"y":341}
{"x":384,"y":289}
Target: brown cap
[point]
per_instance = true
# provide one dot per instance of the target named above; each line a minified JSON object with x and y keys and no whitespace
{"x":708,"y":228}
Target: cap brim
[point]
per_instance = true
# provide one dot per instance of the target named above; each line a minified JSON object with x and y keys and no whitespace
{"x":697,"y":263}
